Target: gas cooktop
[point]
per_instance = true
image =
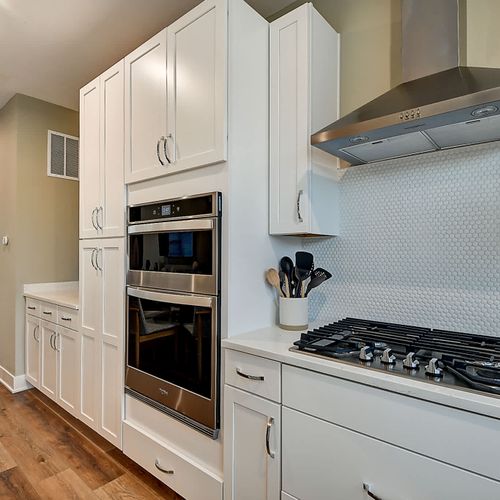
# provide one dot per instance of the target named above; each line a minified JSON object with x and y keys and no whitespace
{"x":451,"y":358}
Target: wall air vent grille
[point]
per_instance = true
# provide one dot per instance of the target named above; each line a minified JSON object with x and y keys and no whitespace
{"x":62,"y":155}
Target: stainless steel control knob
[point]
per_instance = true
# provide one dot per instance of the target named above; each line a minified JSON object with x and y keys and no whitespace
{"x":387,"y":357}
{"x":410,"y":361}
{"x":366,"y":353}
{"x":433,"y":369}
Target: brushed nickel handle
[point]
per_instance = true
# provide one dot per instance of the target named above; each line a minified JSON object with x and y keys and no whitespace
{"x":165,"y":147}
{"x":249,"y":377}
{"x":270,"y":423}
{"x":158,"y":149}
{"x":48,"y":313}
{"x":93,"y":219}
{"x":367,"y":488}
{"x":51,"y":341}
{"x":160,"y":468}
{"x":101,"y":210}
{"x":65,"y":319}
{"x":299,"y":196}
{"x":94,"y":250}
{"x":34,"y":333}
{"x":31,"y":308}
{"x":99,"y":268}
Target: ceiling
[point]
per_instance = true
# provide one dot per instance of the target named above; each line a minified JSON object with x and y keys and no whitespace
{"x":50,"y":48}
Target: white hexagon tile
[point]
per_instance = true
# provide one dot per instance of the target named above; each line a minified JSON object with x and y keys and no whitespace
{"x":419,"y":243}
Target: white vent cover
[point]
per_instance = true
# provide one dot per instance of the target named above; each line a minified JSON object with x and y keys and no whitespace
{"x":62,"y":155}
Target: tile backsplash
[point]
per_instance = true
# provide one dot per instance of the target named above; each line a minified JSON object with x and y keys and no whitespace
{"x":419,"y":243}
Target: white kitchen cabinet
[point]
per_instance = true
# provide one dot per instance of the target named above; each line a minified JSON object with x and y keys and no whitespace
{"x":322,"y":461}
{"x":67,"y":347}
{"x":102,"y":304}
{"x":304,"y":98}
{"x":175,"y":96}
{"x":252,"y":446}
{"x":102,"y":192}
{"x":32,"y":331}
{"x":48,"y":375}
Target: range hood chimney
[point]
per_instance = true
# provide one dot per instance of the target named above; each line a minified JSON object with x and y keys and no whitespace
{"x":441,"y":104}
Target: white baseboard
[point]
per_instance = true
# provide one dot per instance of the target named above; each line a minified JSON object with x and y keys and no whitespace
{"x":13,"y":383}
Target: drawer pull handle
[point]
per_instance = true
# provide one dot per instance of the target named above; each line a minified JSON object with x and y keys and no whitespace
{"x":160,"y":468}
{"x":249,"y":377}
{"x":270,"y":423}
{"x":367,"y":488}
{"x":48,"y":313}
{"x":31,"y":308}
{"x":65,"y":319}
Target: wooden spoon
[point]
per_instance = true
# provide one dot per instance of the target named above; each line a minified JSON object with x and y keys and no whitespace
{"x":273,"y":279}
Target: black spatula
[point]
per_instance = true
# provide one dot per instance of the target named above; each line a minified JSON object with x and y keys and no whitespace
{"x":317,"y":277}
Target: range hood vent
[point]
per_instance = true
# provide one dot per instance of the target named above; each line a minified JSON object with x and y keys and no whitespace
{"x":441,"y":105}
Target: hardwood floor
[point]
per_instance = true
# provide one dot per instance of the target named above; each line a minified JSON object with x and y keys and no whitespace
{"x":45,"y":453}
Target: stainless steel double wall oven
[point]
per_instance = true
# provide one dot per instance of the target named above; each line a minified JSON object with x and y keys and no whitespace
{"x":173,"y":304}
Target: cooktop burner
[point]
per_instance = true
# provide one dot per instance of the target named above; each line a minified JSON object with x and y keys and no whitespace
{"x":438,"y":356}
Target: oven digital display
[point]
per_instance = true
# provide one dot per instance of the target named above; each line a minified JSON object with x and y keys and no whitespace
{"x":166,"y":210}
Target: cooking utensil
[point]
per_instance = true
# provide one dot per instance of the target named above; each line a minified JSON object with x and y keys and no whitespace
{"x":304,"y":264}
{"x":283,"y":283}
{"x":273,"y":279}
{"x":286,"y":265}
{"x":317,"y":277}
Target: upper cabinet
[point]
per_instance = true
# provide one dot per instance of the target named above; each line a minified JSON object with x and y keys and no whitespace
{"x":304,"y":98}
{"x":175,"y":96}
{"x":102,"y":193}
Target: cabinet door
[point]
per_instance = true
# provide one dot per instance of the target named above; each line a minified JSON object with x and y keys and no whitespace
{"x":197,"y":87}
{"x":289,"y":123}
{"x":146,"y":109}
{"x":32,"y":331}
{"x":112,"y":262}
{"x":48,"y":372}
{"x":251,"y":447}
{"x":112,"y":209}
{"x":322,"y":461}
{"x":90,"y":318}
{"x":89,"y":159}
{"x":67,"y":345}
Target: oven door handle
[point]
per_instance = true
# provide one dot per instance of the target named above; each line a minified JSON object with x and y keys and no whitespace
{"x":177,"y":225}
{"x":172,"y":298}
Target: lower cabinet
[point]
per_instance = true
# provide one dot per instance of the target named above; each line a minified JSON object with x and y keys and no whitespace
{"x":252,"y":446}
{"x":48,"y":377}
{"x":67,"y":346}
{"x":102,"y":329}
{"x":32,"y":342}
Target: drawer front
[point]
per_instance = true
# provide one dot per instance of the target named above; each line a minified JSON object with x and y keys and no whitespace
{"x":254,"y":374}
{"x":67,"y":317}
{"x":182,"y":475}
{"x":33,"y":307}
{"x":322,"y":461}
{"x":48,"y":312}
{"x":453,"y":436}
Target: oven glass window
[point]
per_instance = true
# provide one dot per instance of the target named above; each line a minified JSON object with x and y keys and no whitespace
{"x":172,"y":342}
{"x":187,"y":252}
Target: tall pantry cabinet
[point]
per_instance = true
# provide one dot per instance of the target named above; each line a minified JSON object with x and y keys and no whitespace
{"x":102,"y":253}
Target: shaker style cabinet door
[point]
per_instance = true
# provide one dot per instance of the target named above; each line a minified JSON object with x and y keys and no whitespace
{"x":32,"y":331}
{"x":252,"y":446}
{"x":67,"y":346}
{"x":48,"y":375}
{"x":196,"y":66}
{"x":90,"y":171}
{"x":146,"y":110}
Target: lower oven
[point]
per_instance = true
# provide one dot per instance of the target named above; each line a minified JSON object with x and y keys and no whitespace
{"x":172,"y":354}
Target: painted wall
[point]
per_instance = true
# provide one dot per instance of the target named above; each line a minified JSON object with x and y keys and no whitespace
{"x":419,"y":243}
{"x":44,"y":217}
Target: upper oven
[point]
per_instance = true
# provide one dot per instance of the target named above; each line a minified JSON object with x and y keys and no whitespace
{"x":174,"y":245}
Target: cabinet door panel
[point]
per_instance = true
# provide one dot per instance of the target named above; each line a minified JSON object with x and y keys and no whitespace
{"x":48,"y":377}
{"x":89,"y":159}
{"x":112,"y":215}
{"x":69,"y":369}
{"x":145,"y":108}
{"x":111,"y":342}
{"x":289,"y":123}
{"x":32,"y":330}
{"x":196,"y":87}
{"x":322,"y":461}
{"x":250,"y":472}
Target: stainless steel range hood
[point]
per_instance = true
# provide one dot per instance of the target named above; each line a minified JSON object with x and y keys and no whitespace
{"x":440,"y":105}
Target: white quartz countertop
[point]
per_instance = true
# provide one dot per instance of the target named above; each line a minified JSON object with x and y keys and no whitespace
{"x":274,"y":343}
{"x":62,"y":294}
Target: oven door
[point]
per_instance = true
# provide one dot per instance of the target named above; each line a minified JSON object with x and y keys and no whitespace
{"x":175,"y":255}
{"x":173,"y":354}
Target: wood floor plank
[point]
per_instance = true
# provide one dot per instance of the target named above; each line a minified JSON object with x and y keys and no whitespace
{"x":126,"y":487}
{"x":15,"y":485}
{"x":64,"y":485}
{"x":6,"y":460}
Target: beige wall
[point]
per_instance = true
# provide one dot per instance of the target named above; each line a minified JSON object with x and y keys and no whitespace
{"x":45,"y":246}
{"x":8,"y":183}
{"x":483,"y":35}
